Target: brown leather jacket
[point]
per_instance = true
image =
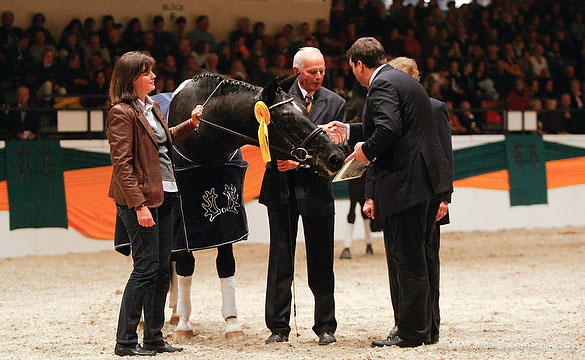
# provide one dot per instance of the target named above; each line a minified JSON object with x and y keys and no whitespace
{"x":136,"y":178}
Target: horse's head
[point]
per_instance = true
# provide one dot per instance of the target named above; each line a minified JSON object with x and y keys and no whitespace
{"x":291,"y":129}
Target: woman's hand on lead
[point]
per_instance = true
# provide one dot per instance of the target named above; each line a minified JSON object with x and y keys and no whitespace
{"x":196,"y":115}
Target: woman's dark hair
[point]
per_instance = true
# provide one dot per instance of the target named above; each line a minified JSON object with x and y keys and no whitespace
{"x":127,"y":69}
{"x":367,"y":50}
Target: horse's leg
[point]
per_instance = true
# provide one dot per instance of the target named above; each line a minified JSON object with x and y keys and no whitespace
{"x":225,"y":264}
{"x":184,"y":329}
{"x":173,"y":293}
{"x":185,"y":267}
{"x":367,"y":230}
{"x":346,"y":253}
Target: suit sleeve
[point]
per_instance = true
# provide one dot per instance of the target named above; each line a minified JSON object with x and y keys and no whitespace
{"x":444,"y":129}
{"x":370,"y":185}
{"x":120,"y":133}
{"x":356,"y":133}
{"x":384,"y":107}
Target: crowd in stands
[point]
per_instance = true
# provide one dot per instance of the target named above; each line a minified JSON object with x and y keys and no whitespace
{"x":509,"y":55}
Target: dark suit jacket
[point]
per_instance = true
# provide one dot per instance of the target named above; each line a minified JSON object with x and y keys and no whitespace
{"x":441,"y":117}
{"x":313,"y":193}
{"x":402,"y":141}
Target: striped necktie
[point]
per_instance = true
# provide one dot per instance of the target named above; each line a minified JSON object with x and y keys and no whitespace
{"x":308,"y":102}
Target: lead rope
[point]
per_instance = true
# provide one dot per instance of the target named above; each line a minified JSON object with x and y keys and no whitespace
{"x":213,"y":92}
{"x":292,"y":255}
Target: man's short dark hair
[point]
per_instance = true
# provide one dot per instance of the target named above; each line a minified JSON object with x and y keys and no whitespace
{"x":367,"y":50}
{"x":200,"y":18}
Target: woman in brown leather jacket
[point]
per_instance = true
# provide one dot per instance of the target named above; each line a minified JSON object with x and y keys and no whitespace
{"x":144,"y":189}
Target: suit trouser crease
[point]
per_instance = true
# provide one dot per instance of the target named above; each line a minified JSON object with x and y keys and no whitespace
{"x":149,"y":281}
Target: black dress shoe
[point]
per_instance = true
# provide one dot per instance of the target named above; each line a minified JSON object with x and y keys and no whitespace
{"x":274,"y":338}
{"x":162,"y":348}
{"x":132,"y":350}
{"x":326,"y":338}
{"x":395,"y":340}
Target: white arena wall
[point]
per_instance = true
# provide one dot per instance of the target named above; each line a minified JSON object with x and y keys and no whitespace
{"x":471,"y":210}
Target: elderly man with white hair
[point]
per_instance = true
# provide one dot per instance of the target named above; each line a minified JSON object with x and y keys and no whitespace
{"x":290,"y":189}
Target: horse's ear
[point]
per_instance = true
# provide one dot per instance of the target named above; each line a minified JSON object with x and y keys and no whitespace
{"x":287,"y":82}
{"x":268,"y":94}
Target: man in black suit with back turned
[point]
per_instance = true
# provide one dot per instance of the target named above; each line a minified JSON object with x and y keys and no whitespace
{"x":289,"y":189}
{"x":441,"y":117}
{"x":410,"y":169}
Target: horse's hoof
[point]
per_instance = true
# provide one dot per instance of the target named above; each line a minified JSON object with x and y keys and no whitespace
{"x":345,"y":254}
{"x":174,"y":320}
{"x":182,"y":334}
{"x":234,"y":335}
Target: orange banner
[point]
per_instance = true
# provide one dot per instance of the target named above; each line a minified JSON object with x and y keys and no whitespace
{"x":91,"y":212}
{"x":559,"y":173}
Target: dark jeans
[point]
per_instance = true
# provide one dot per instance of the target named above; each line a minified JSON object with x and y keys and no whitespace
{"x":319,"y":246}
{"x":149,"y":281}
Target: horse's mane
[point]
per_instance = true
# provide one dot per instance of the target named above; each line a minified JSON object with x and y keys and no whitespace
{"x":229,"y":83}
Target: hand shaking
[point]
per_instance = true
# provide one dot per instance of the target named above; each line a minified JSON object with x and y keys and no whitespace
{"x":336,"y":131}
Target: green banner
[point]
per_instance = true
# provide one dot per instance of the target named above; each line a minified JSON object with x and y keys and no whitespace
{"x":74,"y":159}
{"x":477,"y":160}
{"x":36,"y":191}
{"x":527,"y":170}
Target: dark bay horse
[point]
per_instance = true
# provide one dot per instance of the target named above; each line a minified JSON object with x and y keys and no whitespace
{"x":230,"y":104}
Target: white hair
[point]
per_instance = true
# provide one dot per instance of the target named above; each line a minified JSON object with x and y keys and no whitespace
{"x":299,"y":58}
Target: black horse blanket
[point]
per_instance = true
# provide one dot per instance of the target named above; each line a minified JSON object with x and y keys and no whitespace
{"x":212,"y":203}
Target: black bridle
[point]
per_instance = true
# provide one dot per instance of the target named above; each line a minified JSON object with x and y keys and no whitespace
{"x":299,"y":151}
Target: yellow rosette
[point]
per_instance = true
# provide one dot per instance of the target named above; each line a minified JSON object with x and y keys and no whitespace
{"x":263,"y":116}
